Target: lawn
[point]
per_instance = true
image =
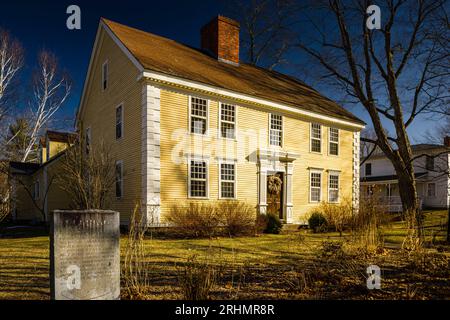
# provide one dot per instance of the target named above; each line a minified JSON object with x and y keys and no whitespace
{"x":296,"y":265}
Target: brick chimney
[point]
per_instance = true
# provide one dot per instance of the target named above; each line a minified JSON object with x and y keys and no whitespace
{"x":447,"y":141}
{"x":220,"y":38}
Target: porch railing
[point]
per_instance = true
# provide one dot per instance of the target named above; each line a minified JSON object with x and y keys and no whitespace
{"x":392,"y":204}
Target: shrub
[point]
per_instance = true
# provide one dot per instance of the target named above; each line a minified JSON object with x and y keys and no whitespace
{"x":261,"y":223}
{"x":237,"y":218}
{"x":197,"y":279}
{"x":317,"y":222}
{"x":338,"y":215}
{"x":196,"y":219}
{"x":274,"y":224}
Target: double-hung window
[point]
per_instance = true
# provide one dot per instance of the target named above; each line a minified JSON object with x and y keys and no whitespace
{"x":316,"y":137}
{"x":276,"y":130}
{"x":228,"y":180}
{"x":315,"y":180}
{"x":333,"y":187}
{"x":431,"y":190}
{"x":36,"y":190}
{"x":227,"y":121}
{"x":368,"y":169}
{"x":334,"y":141}
{"x":119,"y":179}
{"x":199,"y":115}
{"x":119,"y":122}
{"x":198,"y":179}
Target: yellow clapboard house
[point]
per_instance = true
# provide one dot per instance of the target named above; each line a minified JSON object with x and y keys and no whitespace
{"x":187,"y":124}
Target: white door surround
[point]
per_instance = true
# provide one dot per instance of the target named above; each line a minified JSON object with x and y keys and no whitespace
{"x":270,"y":162}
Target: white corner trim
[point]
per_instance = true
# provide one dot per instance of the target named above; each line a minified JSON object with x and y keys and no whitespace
{"x":151,"y":154}
{"x":160,"y":77}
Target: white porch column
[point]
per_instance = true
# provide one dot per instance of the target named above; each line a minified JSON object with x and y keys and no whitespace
{"x":288,"y":204}
{"x":356,"y":171}
{"x":151,"y":164}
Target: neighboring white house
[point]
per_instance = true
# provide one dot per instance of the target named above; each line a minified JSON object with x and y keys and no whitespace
{"x":431,"y":167}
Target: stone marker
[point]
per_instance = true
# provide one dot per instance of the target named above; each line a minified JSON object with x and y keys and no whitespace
{"x":84,"y":255}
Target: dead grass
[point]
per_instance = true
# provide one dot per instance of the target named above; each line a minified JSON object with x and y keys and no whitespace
{"x":298,"y":265}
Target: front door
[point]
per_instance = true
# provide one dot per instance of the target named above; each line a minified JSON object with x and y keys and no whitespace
{"x":275,"y":194}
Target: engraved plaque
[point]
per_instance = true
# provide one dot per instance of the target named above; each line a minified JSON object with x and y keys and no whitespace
{"x":85,"y":255}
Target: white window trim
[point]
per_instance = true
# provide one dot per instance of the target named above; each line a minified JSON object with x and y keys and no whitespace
{"x":432,"y":196}
{"x":220,"y":121}
{"x":282,"y":130}
{"x":103,"y":75}
{"x":334,"y":173}
{"x":330,"y":142}
{"x":220,"y":162}
{"x":196,"y":158}
{"x":311,"y":138}
{"x":122,"y":122}
{"x":311,"y":171}
{"x":190,"y":116}
{"x":121,"y":179}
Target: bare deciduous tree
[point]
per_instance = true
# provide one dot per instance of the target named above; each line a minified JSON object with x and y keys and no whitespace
{"x":51,"y":90}
{"x":11,"y":61}
{"x":266,"y":27}
{"x":88,"y":177}
{"x":396,"y":73}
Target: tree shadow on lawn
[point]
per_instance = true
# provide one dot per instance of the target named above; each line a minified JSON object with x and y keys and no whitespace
{"x":23,"y":231}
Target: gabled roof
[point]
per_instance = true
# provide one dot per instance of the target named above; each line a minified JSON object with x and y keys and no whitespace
{"x":61,"y":136}
{"x":169,"y":57}
{"x":421,"y":148}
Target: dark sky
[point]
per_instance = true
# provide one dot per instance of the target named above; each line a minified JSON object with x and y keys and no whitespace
{"x":42,"y":24}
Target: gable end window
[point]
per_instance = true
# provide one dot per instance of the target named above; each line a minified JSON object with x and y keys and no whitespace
{"x":119,"y":179}
{"x":198,"y":115}
{"x":198,"y":179}
{"x":105,"y":75}
{"x":334,"y":141}
{"x":276,"y":130}
{"x":316,"y":137}
{"x":227,"y":121}
{"x":119,"y":122}
{"x":431,"y":190}
{"x":315,"y":182}
{"x":88,"y":141}
{"x":368,"y":169}
{"x":36,"y":190}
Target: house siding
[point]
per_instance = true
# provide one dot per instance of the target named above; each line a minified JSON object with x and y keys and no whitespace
{"x":250,"y":120}
{"x":98,"y":113}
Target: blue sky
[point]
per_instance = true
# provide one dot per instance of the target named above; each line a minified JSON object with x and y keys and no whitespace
{"x":42,"y":24}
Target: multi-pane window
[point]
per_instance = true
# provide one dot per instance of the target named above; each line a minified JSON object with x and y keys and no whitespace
{"x":431,"y":192}
{"x":227,"y":121}
{"x":334,"y":141}
{"x":105,"y":75}
{"x":316,"y":137}
{"x":333,"y":187}
{"x":88,"y":140}
{"x":276,"y":130}
{"x":199,"y":115}
{"x":429,"y":163}
{"x":368,"y":169}
{"x":119,"y":179}
{"x":198,"y":179}
{"x":315,"y":186}
{"x":227,"y":180}
{"x":119,"y":122}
